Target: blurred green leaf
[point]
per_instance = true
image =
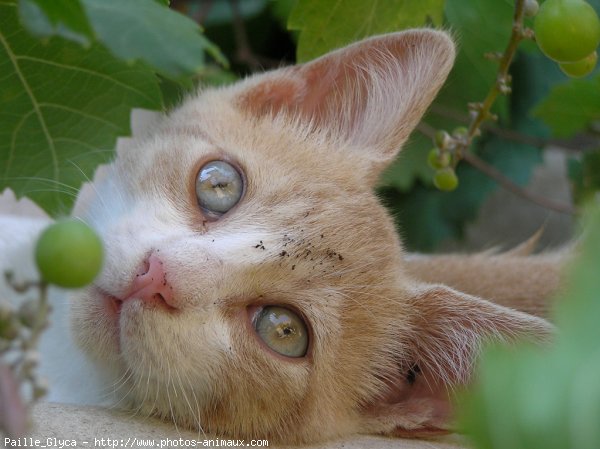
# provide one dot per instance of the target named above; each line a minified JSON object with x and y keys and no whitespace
{"x":571,"y":106}
{"x":132,"y":30}
{"x":138,"y":29}
{"x":65,"y":18}
{"x":281,"y":10}
{"x":533,"y":398}
{"x":584,"y":174}
{"x":62,"y":109}
{"x":410,"y":165}
{"x":579,"y":311}
{"x":419,"y":216}
{"x":329,"y":24}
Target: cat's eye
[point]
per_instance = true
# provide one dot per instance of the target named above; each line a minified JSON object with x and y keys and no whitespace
{"x":219,"y":186}
{"x":282,"y":330}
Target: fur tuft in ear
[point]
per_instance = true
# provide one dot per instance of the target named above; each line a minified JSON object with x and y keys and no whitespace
{"x":448,"y":331}
{"x":368,"y":95}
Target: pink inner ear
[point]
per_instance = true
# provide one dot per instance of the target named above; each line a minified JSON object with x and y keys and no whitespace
{"x":370,"y":94}
{"x":307,"y":90}
{"x":419,"y":407}
{"x":273,"y":95}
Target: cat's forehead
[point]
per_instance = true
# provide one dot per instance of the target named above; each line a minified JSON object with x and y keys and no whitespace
{"x":212,"y":126}
{"x":286,"y":172}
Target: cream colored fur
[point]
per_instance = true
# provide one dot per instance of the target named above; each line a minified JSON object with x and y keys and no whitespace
{"x":523,"y":282}
{"x":388,"y":341}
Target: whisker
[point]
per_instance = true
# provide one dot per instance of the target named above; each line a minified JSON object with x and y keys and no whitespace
{"x":199,"y":424}
{"x":169,"y":399}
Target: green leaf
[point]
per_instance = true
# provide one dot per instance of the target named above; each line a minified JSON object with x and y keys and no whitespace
{"x":65,"y":18}
{"x":533,"y":398}
{"x":579,"y":311}
{"x":62,"y":110}
{"x":419,"y":216}
{"x":410,"y":165}
{"x":281,"y":10}
{"x":132,"y":30}
{"x":139,"y":29}
{"x":571,"y":106}
{"x":329,"y":24}
{"x":584,"y":174}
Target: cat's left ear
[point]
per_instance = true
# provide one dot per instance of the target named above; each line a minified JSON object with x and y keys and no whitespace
{"x":367,"y":97}
{"x":448,"y":330}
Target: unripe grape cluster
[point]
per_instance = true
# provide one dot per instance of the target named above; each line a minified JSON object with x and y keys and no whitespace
{"x":568,"y":32}
{"x":441,"y":158}
{"x":68,"y":254}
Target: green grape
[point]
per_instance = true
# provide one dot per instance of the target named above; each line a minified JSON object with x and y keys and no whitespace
{"x":531,"y":8}
{"x":438,"y":159}
{"x":460,"y":131}
{"x":442,"y":139}
{"x":579,"y":69}
{"x":445,"y":179}
{"x":567,"y":30}
{"x":69,"y":254}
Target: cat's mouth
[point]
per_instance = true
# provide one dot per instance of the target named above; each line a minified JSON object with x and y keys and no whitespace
{"x":156,"y":301}
{"x":115,"y":306}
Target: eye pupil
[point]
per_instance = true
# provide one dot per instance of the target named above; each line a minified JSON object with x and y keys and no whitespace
{"x":282,"y":330}
{"x":219,"y":187}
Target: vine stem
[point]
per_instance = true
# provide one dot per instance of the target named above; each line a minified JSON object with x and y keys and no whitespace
{"x":502,"y":79}
{"x":491,"y":172}
{"x":481,"y":112}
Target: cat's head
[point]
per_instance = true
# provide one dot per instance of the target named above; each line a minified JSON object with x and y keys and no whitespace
{"x":254,"y":285}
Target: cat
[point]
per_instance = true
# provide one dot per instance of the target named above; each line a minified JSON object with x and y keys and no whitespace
{"x":255,"y":287}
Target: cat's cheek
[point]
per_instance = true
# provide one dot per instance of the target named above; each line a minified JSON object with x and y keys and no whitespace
{"x":94,"y":325}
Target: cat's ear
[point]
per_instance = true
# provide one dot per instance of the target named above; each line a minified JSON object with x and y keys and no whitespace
{"x":368,"y":96}
{"x":449,"y":328}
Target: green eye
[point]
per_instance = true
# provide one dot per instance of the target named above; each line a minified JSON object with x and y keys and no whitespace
{"x":219,"y":187}
{"x":282,"y":330}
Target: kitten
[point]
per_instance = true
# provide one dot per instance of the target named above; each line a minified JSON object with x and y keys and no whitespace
{"x":254,"y":286}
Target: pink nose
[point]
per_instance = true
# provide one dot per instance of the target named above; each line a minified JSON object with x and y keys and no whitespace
{"x":152,"y":285}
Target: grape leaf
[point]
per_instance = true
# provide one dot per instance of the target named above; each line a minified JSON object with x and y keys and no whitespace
{"x":65,"y":18}
{"x":571,"y":106}
{"x":330,"y":24}
{"x":133,"y":30}
{"x":62,"y":110}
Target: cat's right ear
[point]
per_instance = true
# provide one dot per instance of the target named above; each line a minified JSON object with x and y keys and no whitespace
{"x":366,"y":97}
{"x":448,"y":330}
